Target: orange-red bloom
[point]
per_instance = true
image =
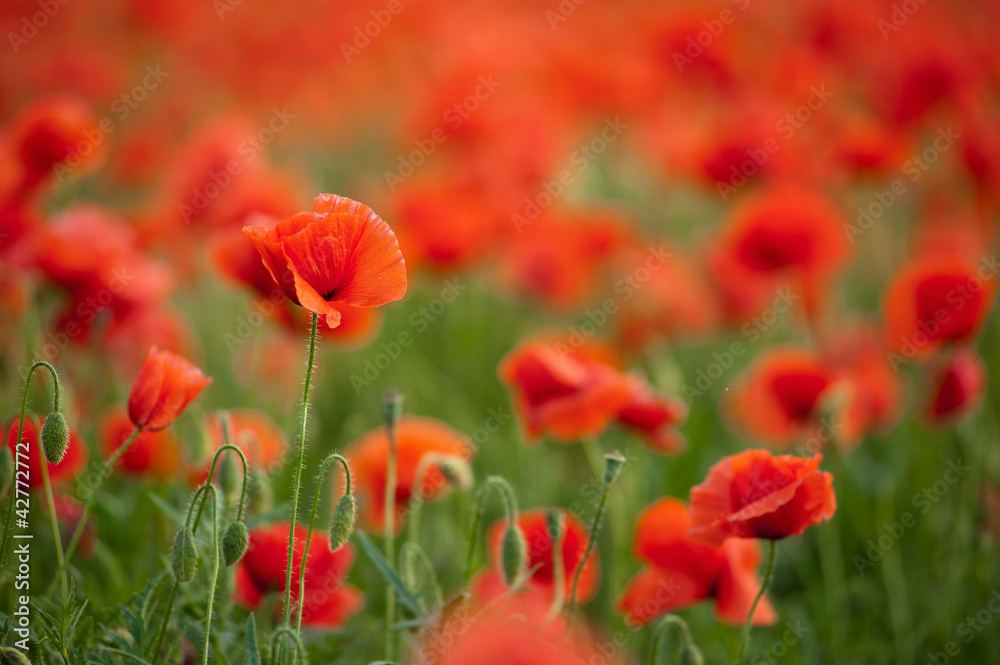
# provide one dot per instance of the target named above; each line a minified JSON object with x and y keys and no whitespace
{"x":71,"y":464}
{"x":539,"y":554}
{"x":164,"y":387}
{"x":153,"y":454}
{"x":956,"y":388}
{"x":263,"y":443}
{"x":936,"y":300}
{"x":572,"y":389}
{"x":756,"y":495}
{"x":341,"y":252}
{"x":681,"y":571}
{"x":421,"y":443}
{"x":329,"y":600}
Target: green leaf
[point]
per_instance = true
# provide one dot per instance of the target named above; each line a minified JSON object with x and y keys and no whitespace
{"x":253,"y":652}
{"x":403,"y":593}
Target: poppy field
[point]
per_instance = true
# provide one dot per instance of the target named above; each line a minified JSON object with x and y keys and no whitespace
{"x":565,"y":332}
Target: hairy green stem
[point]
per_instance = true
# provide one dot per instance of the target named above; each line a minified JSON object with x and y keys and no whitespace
{"x":768,"y":569}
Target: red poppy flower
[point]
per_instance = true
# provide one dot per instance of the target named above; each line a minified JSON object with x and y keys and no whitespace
{"x":569,"y":389}
{"x":329,"y":600}
{"x":539,"y":554}
{"x":679,"y":571}
{"x":416,"y":439}
{"x":66,"y":470}
{"x":153,"y":454}
{"x":341,"y":252}
{"x":261,"y":440}
{"x":164,"y":387}
{"x":756,"y":495}
{"x":933,"y":301}
{"x":956,"y":388}
{"x":782,"y":396}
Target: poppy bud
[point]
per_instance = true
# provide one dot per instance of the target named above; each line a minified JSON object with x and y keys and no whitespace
{"x":392,"y":401}
{"x":614,"y":463}
{"x":234,"y":542}
{"x":229,"y":479}
{"x":184,"y":556}
{"x":16,"y":656}
{"x":6,"y":470}
{"x":555,"y":520}
{"x":513,"y":555}
{"x":691,"y":655}
{"x":55,"y":437}
{"x":342,"y":522}
{"x":456,"y":472}
{"x":261,"y":498}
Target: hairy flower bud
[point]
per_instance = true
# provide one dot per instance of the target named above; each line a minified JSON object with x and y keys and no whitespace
{"x":184,"y":556}
{"x":342,"y":521}
{"x":513,"y":555}
{"x":234,"y":542}
{"x":55,"y":437}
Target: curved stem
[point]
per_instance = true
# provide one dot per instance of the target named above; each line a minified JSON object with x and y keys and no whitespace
{"x":682,"y":628}
{"x":769,"y":568}
{"x":89,"y":504}
{"x":20,"y":433}
{"x":412,"y":550}
{"x":595,"y":527}
{"x":215,"y":569}
{"x":510,"y":507}
{"x":312,"y":523}
{"x":287,"y":632}
{"x":297,"y":482}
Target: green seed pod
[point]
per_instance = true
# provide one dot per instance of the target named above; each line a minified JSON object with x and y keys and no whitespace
{"x":234,"y":542}
{"x":55,"y":437}
{"x":12,"y":655}
{"x":614,"y":464}
{"x":555,"y":520}
{"x":513,"y":555}
{"x":259,"y":494}
{"x":691,"y":655}
{"x":184,"y":556}
{"x":342,"y":521}
{"x":6,"y":470}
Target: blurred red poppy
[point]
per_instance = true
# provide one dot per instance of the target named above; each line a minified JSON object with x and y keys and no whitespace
{"x":936,"y":300}
{"x":341,"y":252}
{"x":756,"y":495}
{"x":955,"y":388}
{"x":66,"y":470}
{"x":165,"y":385}
{"x":259,"y":438}
{"x":539,"y":554}
{"x":329,"y":600}
{"x":679,"y":571}
{"x":154,"y":455}
{"x":421,"y":443}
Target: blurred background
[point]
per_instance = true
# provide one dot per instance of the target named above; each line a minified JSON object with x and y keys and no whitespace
{"x":674,"y":178}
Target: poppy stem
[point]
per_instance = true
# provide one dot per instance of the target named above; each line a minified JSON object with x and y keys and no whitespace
{"x":393,"y":404}
{"x":60,"y":559}
{"x":92,"y":497}
{"x":312,"y":523}
{"x":613,"y":464}
{"x":556,"y":524}
{"x":510,"y":508}
{"x":215,"y":569}
{"x":20,"y":433}
{"x":686,"y":641}
{"x":298,"y":474}
{"x":768,"y":569}
{"x":407,"y":554}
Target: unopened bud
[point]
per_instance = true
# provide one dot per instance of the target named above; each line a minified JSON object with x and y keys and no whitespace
{"x":555,"y":520}
{"x":55,"y":437}
{"x":392,"y":401}
{"x":342,"y":521}
{"x":614,"y":463}
{"x":261,"y":498}
{"x":457,"y":472}
{"x":691,"y":655}
{"x":513,"y":554}
{"x":229,"y":479}
{"x":184,"y":556}
{"x":13,"y":655}
{"x":234,"y":542}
